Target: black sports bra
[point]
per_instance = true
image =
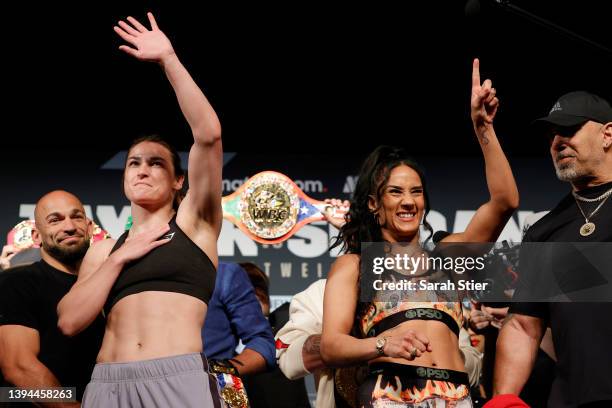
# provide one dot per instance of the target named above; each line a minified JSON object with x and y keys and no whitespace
{"x":179,"y":266}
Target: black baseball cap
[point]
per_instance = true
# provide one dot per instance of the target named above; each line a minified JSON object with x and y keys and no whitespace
{"x":576,"y":108}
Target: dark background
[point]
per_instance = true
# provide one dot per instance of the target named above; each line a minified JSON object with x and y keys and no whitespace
{"x":305,"y":77}
{"x":311,"y":88}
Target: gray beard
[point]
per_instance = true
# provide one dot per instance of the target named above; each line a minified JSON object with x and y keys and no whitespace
{"x":568,"y":174}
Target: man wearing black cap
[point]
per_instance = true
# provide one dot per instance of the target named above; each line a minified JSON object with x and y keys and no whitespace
{"x":580,"y":130}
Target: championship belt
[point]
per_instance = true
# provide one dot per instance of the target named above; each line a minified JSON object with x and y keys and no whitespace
{"x":231,"y":387}
{"x":346,"y":384}
{"x":269,"y":208}
{"x":21,"y":235}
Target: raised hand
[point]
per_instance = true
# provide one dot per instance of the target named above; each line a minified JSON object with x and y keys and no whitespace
{"x":484,"y":103}
{"x":8,"y":252}
{"x":148,"y":45}
{"x":335,"y":210}
{"x":139,"y":245}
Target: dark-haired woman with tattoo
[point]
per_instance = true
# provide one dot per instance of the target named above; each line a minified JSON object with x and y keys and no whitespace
{"x":411,"y":345}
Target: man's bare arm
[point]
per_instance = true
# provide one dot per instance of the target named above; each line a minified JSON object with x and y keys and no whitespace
{"x":517,"y":347}
{"x":19,"y":348}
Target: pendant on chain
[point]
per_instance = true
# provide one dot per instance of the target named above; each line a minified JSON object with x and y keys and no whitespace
{"x":587,"y":229}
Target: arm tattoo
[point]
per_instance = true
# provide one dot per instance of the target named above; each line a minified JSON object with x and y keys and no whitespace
{"x":313,"y":344}
{"x":483,"y":139}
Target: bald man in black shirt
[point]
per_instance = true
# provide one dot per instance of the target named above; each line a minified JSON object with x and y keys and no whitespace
{"x":33,"y":352}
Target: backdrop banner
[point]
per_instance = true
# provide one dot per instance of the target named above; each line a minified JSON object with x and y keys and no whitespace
{"x":456,"y":186}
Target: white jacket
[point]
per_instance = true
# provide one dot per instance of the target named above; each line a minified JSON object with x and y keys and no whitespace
{"x":306,"y":319}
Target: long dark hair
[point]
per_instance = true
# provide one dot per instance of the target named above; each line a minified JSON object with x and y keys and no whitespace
{"x":362,"y":224}
{"x":176,"y":163}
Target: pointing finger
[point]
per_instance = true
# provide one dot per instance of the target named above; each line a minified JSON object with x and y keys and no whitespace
{"x":476,"y":73}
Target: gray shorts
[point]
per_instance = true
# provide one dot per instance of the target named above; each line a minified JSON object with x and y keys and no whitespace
{"x":177,"y":382}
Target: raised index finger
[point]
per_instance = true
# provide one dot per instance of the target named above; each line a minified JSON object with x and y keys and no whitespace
{"x":476,"y":73}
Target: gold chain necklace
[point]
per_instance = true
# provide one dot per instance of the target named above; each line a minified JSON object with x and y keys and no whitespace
{"x":589,"y":227}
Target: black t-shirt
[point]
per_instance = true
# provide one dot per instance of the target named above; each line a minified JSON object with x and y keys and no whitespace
{"x":582,"y":332}
{"x":28,"y":297}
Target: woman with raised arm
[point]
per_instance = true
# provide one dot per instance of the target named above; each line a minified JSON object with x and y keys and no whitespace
{"x":154,"y":282}
{"x":409,"y":338}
